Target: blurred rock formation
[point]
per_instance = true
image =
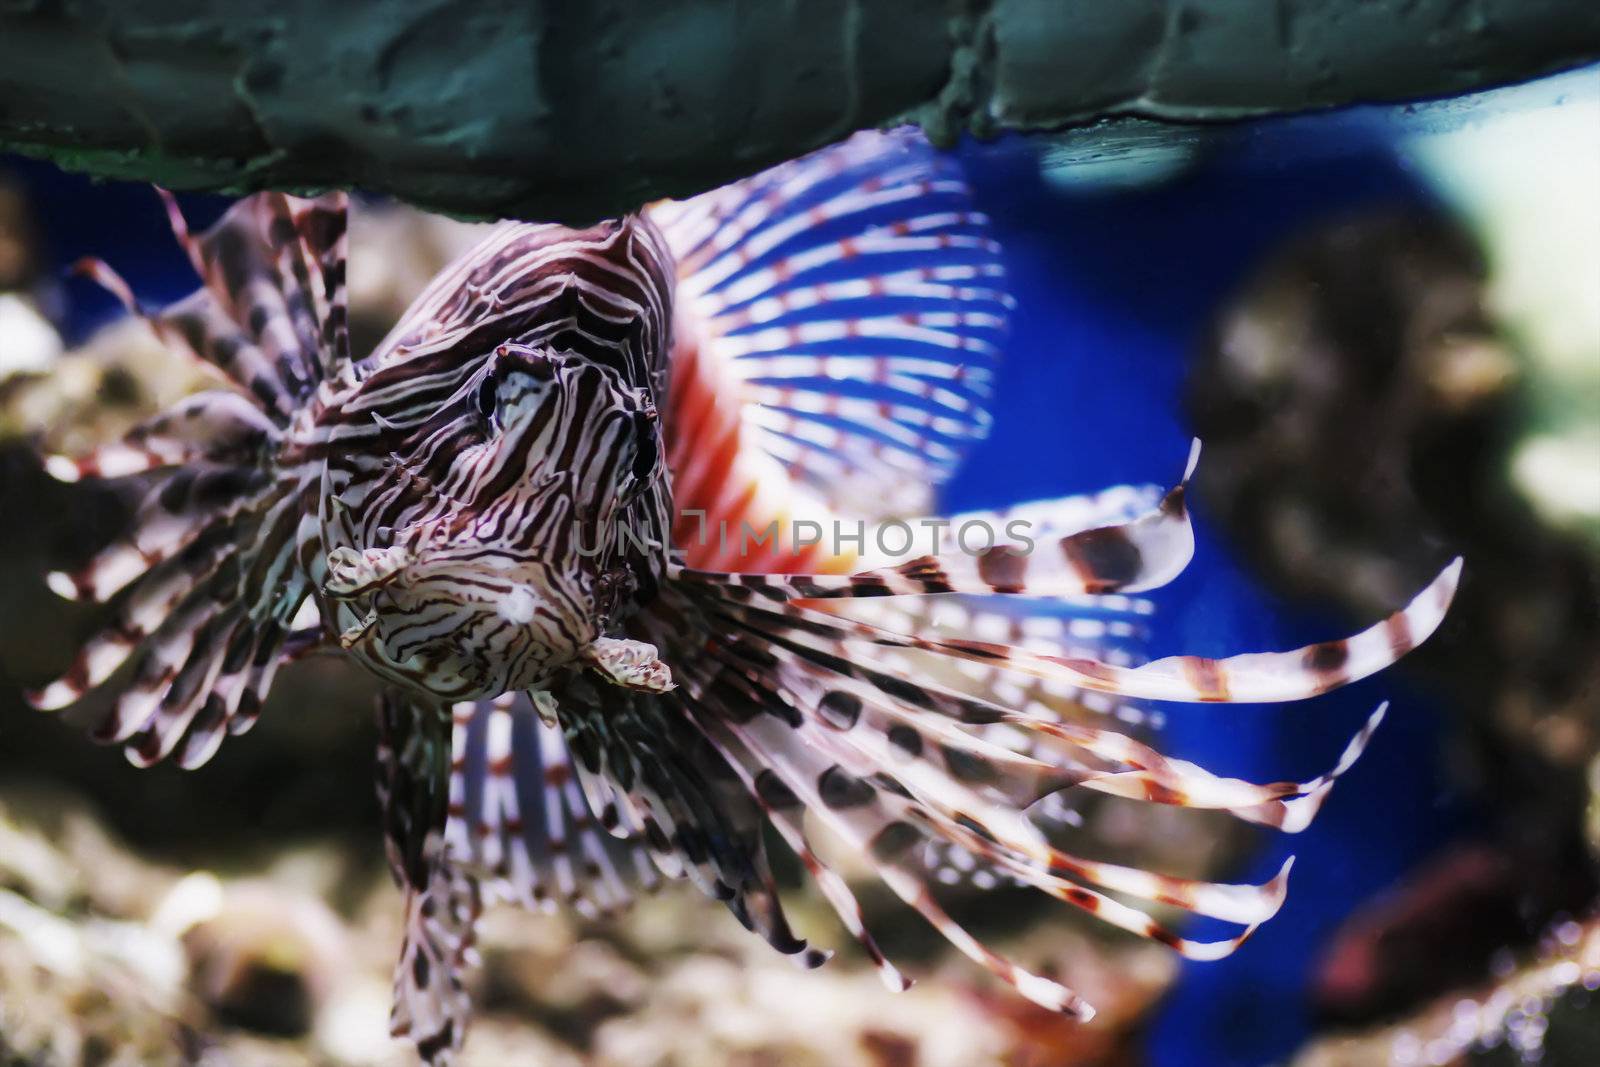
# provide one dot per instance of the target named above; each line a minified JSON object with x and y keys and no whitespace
{"x":1546,"y":1011}
{"x":1360,"y":404}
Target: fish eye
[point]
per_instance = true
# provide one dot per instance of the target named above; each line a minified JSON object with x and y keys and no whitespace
{"x":487,"y":398}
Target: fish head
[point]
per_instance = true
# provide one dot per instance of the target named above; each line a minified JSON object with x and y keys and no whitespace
{"x":456,"y":622}
{"x":500,"y":578}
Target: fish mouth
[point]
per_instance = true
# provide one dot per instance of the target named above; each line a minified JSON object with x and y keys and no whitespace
{"x":445,"y":673}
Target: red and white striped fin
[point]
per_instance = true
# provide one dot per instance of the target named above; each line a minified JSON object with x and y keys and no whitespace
{"x":274,"y":267}
{"x":214,"y":426}
{"x":1063,"y":753}
{"x":1261,"y":677}
{"x":164,"y":527}
{"x":218,"y":691}
{"x":1112,"y":627}
{"x":1286,"y":806}
{"x":852,"y":810}
{"x":839,"y":320}
{"x":271,"y":314}
{"x":173,"y":678}
{"x":961,"y":784}
{"x":431,"y":1008}
{"x":138,"y":616}
{"x":1142,"y":554}
{"x":198,"y":327}
{"x":207,"y":575}
{"x":847,"y":722}
{"x":785,"y":812}
{"x":1257,"y":677}
{"x":1011,"y":845}
{"x":210,"y":618}
{"x":216,"y":438}
{"x":519,"y":815}
{"x":628,"y":793}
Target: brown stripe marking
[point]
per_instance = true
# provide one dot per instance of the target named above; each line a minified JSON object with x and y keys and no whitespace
{"x":1105,"y":559}
{"x":1157,"y":793}
{"x":1003,"y":568}
{"x":1082,"y":898}
{"x":1173,"y":504}
{"x":1089,"y":668}
{"x":1165,"y":936}
{"x":1325,"y":661}
{"x":1398,"y":629}
{"x":1206,"y":678}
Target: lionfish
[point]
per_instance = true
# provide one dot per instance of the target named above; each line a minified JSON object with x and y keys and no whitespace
{"x":503,"y":512}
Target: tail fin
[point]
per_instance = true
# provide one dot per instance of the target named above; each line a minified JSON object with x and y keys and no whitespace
{"x":206,"y":579}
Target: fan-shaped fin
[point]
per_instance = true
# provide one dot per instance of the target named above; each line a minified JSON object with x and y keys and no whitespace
{"x":520,"y":814}
{"x":838,"y":322}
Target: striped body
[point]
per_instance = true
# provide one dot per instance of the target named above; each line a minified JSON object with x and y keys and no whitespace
{"x":490,"y":482}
